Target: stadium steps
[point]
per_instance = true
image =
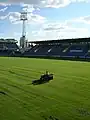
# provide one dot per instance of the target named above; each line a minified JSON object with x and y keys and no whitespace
{"x":88,"y":53}
{"x":66,"y":49}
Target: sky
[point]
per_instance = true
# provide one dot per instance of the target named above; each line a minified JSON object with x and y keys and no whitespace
{"x":47,"y":19}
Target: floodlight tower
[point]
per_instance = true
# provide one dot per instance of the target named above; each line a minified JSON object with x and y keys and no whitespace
{"x":23,"y":18}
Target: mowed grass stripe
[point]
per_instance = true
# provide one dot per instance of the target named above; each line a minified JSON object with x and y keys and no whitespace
{"x":51,"y":97}
{"x":29,"y":106}
{"x":60,"y":98}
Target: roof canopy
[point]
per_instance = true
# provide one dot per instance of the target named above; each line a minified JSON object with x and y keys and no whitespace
{"x":8,"y":40}
{"x":75,"y":40}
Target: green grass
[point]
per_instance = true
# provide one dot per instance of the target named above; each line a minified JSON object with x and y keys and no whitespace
{"x":67,"y":97}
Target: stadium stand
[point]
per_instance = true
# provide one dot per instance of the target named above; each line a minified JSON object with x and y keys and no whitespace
{"x":8,"y":47}
{"x":74,"y":48}
{"x":65,"y":48}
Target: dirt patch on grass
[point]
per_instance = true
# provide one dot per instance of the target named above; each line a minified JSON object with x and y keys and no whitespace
{"x":83,"y":112}
{"x":50,"y":118}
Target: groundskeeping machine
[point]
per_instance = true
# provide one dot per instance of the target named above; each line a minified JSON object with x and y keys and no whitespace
{"x":43,"y":79}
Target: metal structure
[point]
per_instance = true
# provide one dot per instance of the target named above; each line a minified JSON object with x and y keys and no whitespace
{"x":23,"y":18}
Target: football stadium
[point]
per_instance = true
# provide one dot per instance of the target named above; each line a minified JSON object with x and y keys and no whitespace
{"x":66,"y":97}
{"x":44,"y":79}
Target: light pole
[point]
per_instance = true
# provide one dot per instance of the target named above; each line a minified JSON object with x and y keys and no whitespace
{"x":23,"y":18}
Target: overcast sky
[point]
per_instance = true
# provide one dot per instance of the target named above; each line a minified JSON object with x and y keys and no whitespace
{"x":47,"y":19}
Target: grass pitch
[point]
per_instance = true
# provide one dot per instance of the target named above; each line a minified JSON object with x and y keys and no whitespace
{"x":67,"y":97}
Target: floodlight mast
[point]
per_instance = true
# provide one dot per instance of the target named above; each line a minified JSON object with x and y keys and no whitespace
{"x":23,"y":18}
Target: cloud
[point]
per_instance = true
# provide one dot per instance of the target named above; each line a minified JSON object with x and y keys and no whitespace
{"x":57,"y":3}
{"x":4,"y":9}
{"x":4,"y":17}
{"x":45,"y":3}
{"x":66,"y":33}
{"x":34,"y":18}
{"x":51,"y":30}
{"x":61,"y":27}
{"x":28,"y":8}
{"x":14,"y":18}
{"x":54,"y":26}
{"x":22,"y":1}
{"x":4,"y":4}
{"x":83,"y":20}
{"x":58,"y":30}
